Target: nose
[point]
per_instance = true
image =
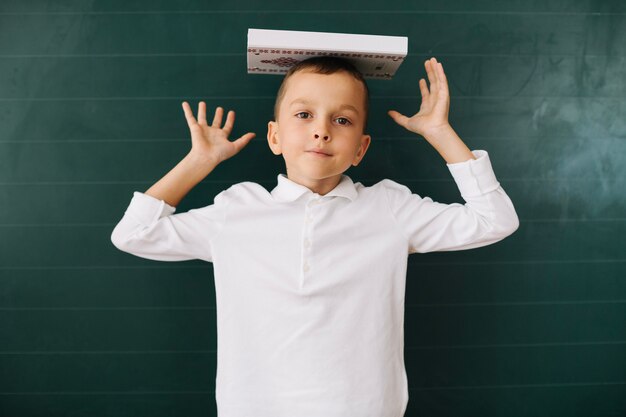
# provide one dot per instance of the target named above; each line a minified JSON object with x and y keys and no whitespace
{"x":321,"y":130}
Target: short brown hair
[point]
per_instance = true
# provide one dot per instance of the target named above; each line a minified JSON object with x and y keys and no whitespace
{"x":324,"y":65}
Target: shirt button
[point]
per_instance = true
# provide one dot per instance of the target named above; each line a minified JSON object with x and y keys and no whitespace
{"x":306,"y":267}
{"x":307,"y":243}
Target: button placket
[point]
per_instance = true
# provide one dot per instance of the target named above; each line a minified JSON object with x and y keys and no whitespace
{"x":306,"y":235}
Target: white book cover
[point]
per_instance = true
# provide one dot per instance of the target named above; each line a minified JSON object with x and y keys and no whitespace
{"x":275,"y":51}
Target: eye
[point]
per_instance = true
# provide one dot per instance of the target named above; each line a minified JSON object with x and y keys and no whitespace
{"x":343,"y":121}
{"x":302,"y":115}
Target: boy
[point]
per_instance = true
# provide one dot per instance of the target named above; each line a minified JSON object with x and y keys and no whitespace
{"x":310,"y":277}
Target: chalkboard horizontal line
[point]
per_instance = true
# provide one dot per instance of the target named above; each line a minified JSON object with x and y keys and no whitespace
{"x":516,"y":345}
{"x":144,"y":54}
{"x":106,"y":393}
{"x":110,"y":352}
{"x":261,"y":181}
{"x":273,"y":181}
{"x":333,"y":11}
{"x":243,"y":55}
{"x":375,"y":138}
{"x":224,"y":97}
{"x":412,"y":260}
{"x":138,"y":183}
{"x":522,"y":220}
{"x":566,"y":220}
{"x":203,"y":265}
{"x":515,"y":386}
{"x":57,"y":225}
{"x":519,"y":262}
{"x":412,"y":305}
{"x":506,"y":303}
{"x":156,"y":308}
{"x":212,"y":351}
{"x":153,"y":98}
{"x":440,"y":388}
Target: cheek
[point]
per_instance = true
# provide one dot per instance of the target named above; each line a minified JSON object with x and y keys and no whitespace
{"x":289,"y":147}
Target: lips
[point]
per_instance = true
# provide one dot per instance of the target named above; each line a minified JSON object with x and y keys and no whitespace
{"x":319,"y":152}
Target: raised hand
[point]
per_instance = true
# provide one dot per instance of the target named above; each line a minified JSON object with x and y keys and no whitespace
{"x":433,"y":112}
{"x":211,"y":142}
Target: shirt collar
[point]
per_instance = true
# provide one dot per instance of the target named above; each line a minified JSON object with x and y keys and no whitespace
{"x":287,"y":190}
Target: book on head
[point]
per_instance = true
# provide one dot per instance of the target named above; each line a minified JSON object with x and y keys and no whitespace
{"x":275,"y":51}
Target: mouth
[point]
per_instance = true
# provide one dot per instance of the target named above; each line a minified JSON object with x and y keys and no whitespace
{"x":318,"y":152}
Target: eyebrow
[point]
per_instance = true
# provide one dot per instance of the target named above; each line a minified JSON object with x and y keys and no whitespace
{"x":343,"y":106}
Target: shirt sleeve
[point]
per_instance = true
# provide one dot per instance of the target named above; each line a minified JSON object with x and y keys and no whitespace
{"x":487,"y":216}
{"x":150,"y":229}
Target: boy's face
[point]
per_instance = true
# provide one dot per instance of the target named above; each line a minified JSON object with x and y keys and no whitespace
{"x":319,"y":129}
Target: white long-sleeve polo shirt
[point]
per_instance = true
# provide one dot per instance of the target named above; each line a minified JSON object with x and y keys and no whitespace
{"x":310,"y":289}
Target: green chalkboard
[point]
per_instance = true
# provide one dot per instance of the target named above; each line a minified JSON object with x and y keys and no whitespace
{"x":90,"y":95}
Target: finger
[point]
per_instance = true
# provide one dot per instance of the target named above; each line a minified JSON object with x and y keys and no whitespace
{"x":243,"y":141}
{"x":202,"y":113}
{"x":443,"y":87}
{"x":434,"y":66}
{"x":217,"y":119}
{"x":399,"y":118}
{"x":443,"y":94}
{"x":191,"y":121}
{"x":230,"y":120}
{"x":424,"y":89}
{"x":432,"y":78}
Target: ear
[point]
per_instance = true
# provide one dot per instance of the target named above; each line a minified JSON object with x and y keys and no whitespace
{"x":272,"y":138}
{"x":363,"y":146}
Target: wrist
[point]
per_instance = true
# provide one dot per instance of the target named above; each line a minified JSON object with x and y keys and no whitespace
{"x":175,"y":185}
{"x":439,"y":133}
{"x":448,"y":144}
{"x":200,"y":162}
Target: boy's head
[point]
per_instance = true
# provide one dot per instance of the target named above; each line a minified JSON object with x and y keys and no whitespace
{"x":319,"y":127}
{"x":324,"y":65}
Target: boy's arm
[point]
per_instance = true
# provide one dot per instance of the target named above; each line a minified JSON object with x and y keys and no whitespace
{"x":432,"y":119}
{"x":209,"y":147}
{"x":150,"y":230}
{"x":488,"y":215}
{"x":177,"y":183}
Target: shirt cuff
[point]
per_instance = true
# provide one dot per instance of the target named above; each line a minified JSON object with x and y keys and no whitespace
{"x":147,"y":209}
{"x":474,"y":177}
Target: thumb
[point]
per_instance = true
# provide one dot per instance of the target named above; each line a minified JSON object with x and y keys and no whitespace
{"x":399,"y":118}
{"x":243,"y":141}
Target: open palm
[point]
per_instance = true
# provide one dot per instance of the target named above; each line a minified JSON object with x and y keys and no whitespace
{"x":211,"y":142}
{"x":433,"y":112}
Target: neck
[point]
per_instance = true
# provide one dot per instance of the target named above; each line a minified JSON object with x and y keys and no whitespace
{"x":321,"y":187}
